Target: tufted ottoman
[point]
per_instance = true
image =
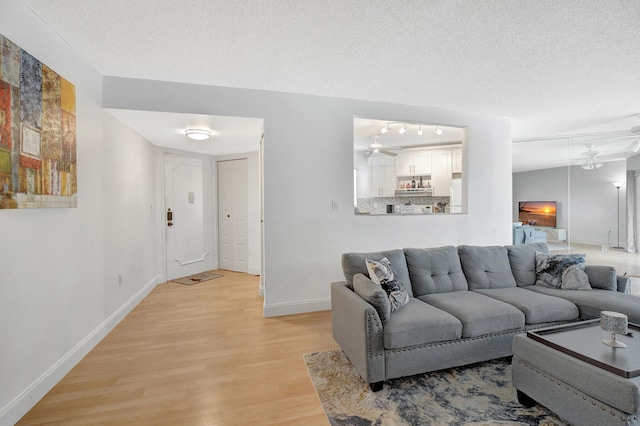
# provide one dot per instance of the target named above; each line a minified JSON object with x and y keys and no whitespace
{"x":568,"y":370}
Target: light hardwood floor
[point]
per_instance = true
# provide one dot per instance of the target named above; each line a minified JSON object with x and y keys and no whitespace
{"x":195,"y":355}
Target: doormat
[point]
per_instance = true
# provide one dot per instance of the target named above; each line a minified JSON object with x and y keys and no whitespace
{"x":197,"y":278}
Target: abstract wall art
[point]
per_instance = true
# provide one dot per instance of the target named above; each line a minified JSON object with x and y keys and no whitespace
{"x":38,"y":166}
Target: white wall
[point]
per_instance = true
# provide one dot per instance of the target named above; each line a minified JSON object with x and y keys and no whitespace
{"x":633,"y":163}
{"x":58,"y":294}
{"x":586,"y":199}
{"x":308,"y":164}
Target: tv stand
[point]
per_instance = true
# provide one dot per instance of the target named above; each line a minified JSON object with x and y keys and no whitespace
{"x":554,"y":234}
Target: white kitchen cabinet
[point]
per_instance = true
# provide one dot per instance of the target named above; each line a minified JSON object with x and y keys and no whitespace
{"x":382,"y":178}
{"x":456,"y":160}
{"x":413,"y":163}
{"x":441,"y":173}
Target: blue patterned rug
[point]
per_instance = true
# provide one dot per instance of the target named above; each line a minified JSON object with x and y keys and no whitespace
{"x":479,"y":394}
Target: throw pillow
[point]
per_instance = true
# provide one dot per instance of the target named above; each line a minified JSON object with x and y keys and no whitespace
{"x":574,"y":278}
{"x":374,"y":294}
{"x":549,"y":268}
{"x":381,"y":272}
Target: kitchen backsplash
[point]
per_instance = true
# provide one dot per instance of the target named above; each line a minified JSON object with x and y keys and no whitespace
{"x":378,"y":205}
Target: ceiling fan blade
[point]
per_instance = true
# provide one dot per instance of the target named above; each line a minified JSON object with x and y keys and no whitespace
{"x":385,"y":152}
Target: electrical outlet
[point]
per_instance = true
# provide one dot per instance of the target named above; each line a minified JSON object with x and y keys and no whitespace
{"x":119,"y":280}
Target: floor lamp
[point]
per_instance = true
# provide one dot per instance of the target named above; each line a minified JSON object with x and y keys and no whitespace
{"x":618,"y":185}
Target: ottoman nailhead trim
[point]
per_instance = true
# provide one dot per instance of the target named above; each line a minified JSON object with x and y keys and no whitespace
{"x":584,"y":398}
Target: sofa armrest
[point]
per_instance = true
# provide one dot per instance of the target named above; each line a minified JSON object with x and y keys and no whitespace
{"x":357,"y":328}
{"x":602,"y":277}
{"x":624,"y":284}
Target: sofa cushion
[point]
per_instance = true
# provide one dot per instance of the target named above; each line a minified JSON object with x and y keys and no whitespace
{"x":478,"y":313}
{"x":537,"y":308}
{"x":353,"y":263}
{"x":591,"y":303}
{"x":381,"y":272}
{"x":419,"y":323}
{"x":435,"y":270}
{"x":522,"y":259}
{"x":602,"y":277}
{"x":486,"y":267}
{"x":374,"y":294}
{"x":549,"y":268}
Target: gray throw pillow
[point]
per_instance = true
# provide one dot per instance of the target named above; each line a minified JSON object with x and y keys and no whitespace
{"x":549,"y":268}
{"x":574,"y":278}
{"x":374,"y":294}
{"x":381,"y":272}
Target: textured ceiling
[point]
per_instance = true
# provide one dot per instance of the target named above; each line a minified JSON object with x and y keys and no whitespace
{"x":554,"y":67}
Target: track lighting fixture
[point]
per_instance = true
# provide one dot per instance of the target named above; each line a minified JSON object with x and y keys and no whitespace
{"x":403,"y":129}
{"x":420,"y":130}
{"x":438,"y":130}
{"x":385,"y":129}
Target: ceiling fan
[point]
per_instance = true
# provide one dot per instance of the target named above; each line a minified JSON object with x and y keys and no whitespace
{"x":590,"y":161}
{"x":376,"y":148}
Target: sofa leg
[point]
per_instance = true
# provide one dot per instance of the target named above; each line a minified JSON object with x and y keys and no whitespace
{"x":377,"y":386}
{"x":525,"y":399}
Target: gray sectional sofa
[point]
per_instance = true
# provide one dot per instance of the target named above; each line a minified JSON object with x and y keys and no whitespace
{"x":466,"y":305}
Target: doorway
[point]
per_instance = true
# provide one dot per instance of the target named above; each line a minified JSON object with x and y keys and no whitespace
{"x":233,"y":225}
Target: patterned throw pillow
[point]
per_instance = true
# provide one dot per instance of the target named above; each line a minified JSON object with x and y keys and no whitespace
{"x":575,"y":278}
{"x":550,"y":268}
{"x":382,"y":273}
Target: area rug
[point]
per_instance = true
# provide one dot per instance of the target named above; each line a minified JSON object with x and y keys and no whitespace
{"x":197,"y":278}
{"x":480,"y":394}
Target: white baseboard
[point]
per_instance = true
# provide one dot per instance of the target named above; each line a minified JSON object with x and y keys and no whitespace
{"x":24,"y":402}
{"x":291,"y":308}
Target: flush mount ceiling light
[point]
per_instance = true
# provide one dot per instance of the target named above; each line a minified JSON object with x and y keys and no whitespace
{"x":438,"y":130}
{"x":198,"y":134}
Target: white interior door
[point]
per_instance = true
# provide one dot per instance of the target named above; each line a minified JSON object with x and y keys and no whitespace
{"x":186,"y":242}
{"x":232,"y":215}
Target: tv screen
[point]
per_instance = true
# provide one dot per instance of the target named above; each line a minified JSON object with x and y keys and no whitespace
{"x":537,"y":213}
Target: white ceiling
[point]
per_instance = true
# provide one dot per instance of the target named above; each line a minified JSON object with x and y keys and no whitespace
{"x":230,"y":135}
{"x":554,"y":67}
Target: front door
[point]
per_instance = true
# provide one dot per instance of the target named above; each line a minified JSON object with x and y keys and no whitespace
{"x":186,"y":242}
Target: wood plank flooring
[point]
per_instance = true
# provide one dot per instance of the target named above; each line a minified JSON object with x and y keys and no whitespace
{"x":195,"y":355}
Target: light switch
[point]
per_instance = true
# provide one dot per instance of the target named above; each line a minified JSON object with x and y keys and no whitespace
{"x":192,"y":197}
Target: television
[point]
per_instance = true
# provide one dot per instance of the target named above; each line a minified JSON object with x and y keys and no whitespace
{"x":537,"y":213}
